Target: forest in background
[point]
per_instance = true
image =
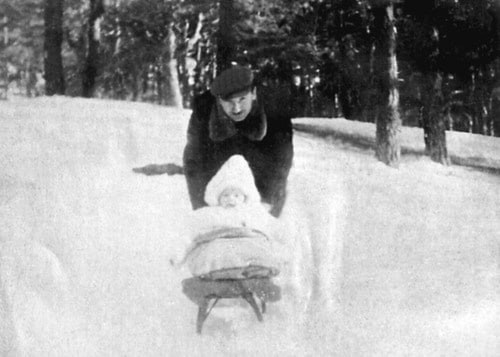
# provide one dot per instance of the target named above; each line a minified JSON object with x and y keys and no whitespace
{"x":427,"y":63}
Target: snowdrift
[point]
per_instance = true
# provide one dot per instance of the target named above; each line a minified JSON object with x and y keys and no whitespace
{"x":382,"y":261}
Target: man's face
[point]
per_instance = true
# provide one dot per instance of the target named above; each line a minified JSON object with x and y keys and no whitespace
{"x":239,"y":105}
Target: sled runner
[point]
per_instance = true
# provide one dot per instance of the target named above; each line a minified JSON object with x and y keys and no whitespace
{"x":231,"y":264}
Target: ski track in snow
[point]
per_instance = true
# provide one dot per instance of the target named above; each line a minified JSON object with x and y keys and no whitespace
{"x":382,"y":261}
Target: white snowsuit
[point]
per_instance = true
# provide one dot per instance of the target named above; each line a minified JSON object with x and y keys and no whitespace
{"x":224,"y":238}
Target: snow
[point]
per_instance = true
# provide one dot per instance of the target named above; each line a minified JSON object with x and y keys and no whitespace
{"x":383,"y":261}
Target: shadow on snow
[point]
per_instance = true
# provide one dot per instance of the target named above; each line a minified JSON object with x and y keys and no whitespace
{"x":363,"y":143}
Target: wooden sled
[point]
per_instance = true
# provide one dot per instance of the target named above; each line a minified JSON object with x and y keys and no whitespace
{"x":256,"y":288}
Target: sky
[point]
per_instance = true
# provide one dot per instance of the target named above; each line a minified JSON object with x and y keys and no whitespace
{"x":381,"y":261}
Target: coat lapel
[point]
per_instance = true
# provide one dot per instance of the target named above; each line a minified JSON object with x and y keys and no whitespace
{"x":221,"y":127}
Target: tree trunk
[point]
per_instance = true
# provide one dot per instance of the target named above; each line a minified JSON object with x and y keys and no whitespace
{"x":160,"y":78}
{"x":480,"y":101}
{"x":173,"y":96}
{"x":225,"y":37}
{"x":91,"y":66}
{"x":191,"y":59}
{"x":426,"y":113}
{"x":388,"y":121}
{"x":54,"y":74}
{"x":5,"y":22}
{"x":495,"y":111}
{"x":433,"y":118}
{"x":117,"y":29}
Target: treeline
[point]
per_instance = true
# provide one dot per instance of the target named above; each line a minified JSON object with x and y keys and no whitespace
{"x":428,"y":63}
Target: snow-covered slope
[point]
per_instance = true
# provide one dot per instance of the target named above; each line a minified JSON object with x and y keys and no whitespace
{"x":386,"y":262}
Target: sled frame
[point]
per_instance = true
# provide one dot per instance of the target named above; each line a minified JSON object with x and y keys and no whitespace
{"x":206,"y":293}
{"x":210,"y":301}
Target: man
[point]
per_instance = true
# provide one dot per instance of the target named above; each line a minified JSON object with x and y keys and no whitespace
{"x":236,"y":117}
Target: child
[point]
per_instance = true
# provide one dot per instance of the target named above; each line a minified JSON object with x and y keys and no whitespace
{"x":235,"y":232}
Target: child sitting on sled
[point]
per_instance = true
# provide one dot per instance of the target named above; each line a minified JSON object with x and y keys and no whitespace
{"x":235,"y":237}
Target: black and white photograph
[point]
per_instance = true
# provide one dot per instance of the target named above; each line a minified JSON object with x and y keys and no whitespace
{"x":249,"y":178}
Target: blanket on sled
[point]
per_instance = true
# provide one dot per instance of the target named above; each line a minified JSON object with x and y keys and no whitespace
{"x":232,"y":253}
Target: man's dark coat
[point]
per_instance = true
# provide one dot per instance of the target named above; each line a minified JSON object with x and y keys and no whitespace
{"x":264,"y":138}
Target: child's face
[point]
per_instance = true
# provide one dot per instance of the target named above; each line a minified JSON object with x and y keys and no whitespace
{"x":231,"y":197}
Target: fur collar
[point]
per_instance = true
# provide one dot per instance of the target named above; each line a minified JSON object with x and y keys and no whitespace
{"x":221,"y":127}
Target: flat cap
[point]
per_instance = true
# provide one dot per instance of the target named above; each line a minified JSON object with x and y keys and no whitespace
{"x":231,"y":81}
